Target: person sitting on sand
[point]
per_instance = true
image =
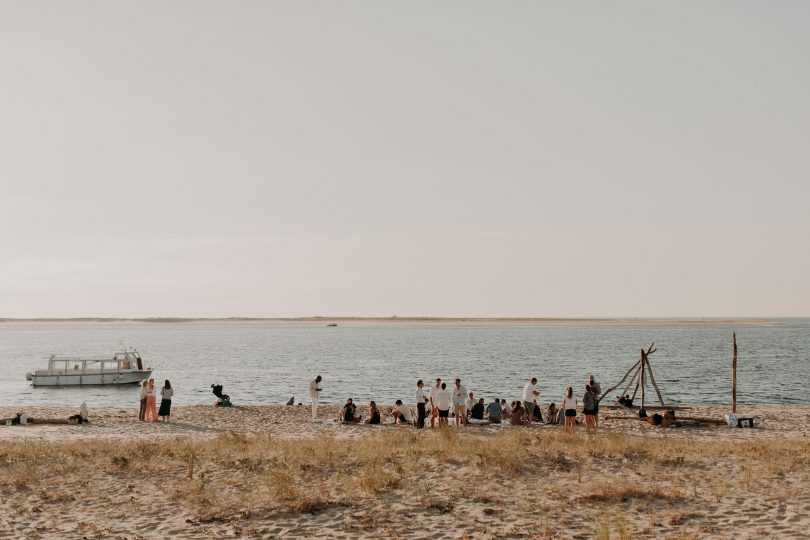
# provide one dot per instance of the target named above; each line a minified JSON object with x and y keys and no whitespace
{"x":569,"y":405}
{"x":506,"y":408}
{"x":402,"y":413}
{"x":537,"y":416}
{"x":552,"y":414}
{"x":495,"y":411}
{"x":470,"y":403}
{"x":348,"y":413}
{"x":477,"y":411}
{"x":517,"y":415}
{"x":443,"y":401}
{"x":373,"y":413}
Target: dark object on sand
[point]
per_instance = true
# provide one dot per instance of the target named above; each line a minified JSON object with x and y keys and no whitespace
{"x":291,"y":401}
{"x":224,"y":399}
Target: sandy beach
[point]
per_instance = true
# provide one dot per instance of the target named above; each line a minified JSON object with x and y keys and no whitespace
{"x":268,"y":471}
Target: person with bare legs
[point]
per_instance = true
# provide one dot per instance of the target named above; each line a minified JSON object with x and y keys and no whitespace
{"x":434,"y":410}
{"x":589,"y":407}
{"x":443,"y":401}
{"x":569,"y":405}
{"x":460,"y":403}
{"x":530,"y":393}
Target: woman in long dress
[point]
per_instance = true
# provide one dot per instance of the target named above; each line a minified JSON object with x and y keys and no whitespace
{"x":166,"y":394}
{"x":151,"y":411}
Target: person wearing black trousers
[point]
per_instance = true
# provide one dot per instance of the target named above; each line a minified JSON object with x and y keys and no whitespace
{"x":421,"y":399}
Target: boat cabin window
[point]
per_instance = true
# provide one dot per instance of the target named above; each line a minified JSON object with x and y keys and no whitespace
{"x":110,"y":365}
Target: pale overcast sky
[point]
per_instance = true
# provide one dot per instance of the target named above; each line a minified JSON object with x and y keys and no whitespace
{"x":377,"y":158}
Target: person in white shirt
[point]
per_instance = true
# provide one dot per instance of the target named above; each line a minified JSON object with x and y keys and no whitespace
{"x":442,"y":403}
{"x":469,"y":404}
{"x":314,"y":392}
{"x":459,"y":403}
{"x":530,"y":393}
{"x":434,"y":410}
{"x":402,"y":413}
{"x":506,"y":409}
{"x":421,"y":399}
{"x":569,"y":405}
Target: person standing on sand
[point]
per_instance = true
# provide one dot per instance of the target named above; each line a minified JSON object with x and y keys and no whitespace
{"x":166,"y":394}
{"x":314,"y":392}
{"x":530,"y":393}
{"x":420,"y":404}
{"x":588,"y":405}
{"x":434,"y":409}
{"x":144,"y":392}
{"x":597,"y":388}
{"x":151,"y":410}
{"x":442,"y":403}
{"x":569,"y":405}
{"x":460,"y":403}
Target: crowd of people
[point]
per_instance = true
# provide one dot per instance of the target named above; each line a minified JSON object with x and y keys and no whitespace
{"x":461,"y":407}
{"x":148,"y":412}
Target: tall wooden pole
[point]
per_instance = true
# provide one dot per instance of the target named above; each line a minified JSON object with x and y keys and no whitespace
{"x":655,"y":386}
{"x":734,"y":375}
{"x":643,"y":382}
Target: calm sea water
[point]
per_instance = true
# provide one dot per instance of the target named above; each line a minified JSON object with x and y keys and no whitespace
{"x":268,"y":363}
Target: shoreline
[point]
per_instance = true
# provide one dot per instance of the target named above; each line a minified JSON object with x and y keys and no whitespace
{"x":438,"y":321}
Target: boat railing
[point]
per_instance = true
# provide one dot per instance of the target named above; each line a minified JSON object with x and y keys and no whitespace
{"x":65,"y":365}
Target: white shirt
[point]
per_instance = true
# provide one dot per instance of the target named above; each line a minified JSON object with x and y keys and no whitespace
{"x":459,"y":395}
{"x":403,"y":410}
{"x":314,"y":389}
{"x":166,"y":393}
{"x":470,"y":403}
{"x":528,"y":392}
{"x":420,"y":396}
{"x":569,"y":402}
{"x":443,"y":399}
{"x":433,"y":391}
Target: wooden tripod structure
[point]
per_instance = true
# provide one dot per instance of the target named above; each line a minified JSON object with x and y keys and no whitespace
{"x":642,"y":371}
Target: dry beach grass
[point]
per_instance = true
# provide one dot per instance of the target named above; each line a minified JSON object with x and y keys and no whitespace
{"x":346,"y":482}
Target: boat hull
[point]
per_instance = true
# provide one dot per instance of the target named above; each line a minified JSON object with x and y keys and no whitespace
{"x":91,"y":379}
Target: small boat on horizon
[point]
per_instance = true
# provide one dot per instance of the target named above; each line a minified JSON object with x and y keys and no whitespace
{"x":332,"y":324}
{"x":125,"y":367}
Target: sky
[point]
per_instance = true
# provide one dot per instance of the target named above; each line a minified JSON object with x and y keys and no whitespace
{"x":368,"y":158}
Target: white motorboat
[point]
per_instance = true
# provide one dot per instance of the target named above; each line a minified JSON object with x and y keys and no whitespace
{"x":125,"y":367}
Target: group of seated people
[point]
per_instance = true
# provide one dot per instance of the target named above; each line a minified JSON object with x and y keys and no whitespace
{"x":496,"y":412}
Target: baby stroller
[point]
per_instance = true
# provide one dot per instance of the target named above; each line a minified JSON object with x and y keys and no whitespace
{"x":224,"y":400}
